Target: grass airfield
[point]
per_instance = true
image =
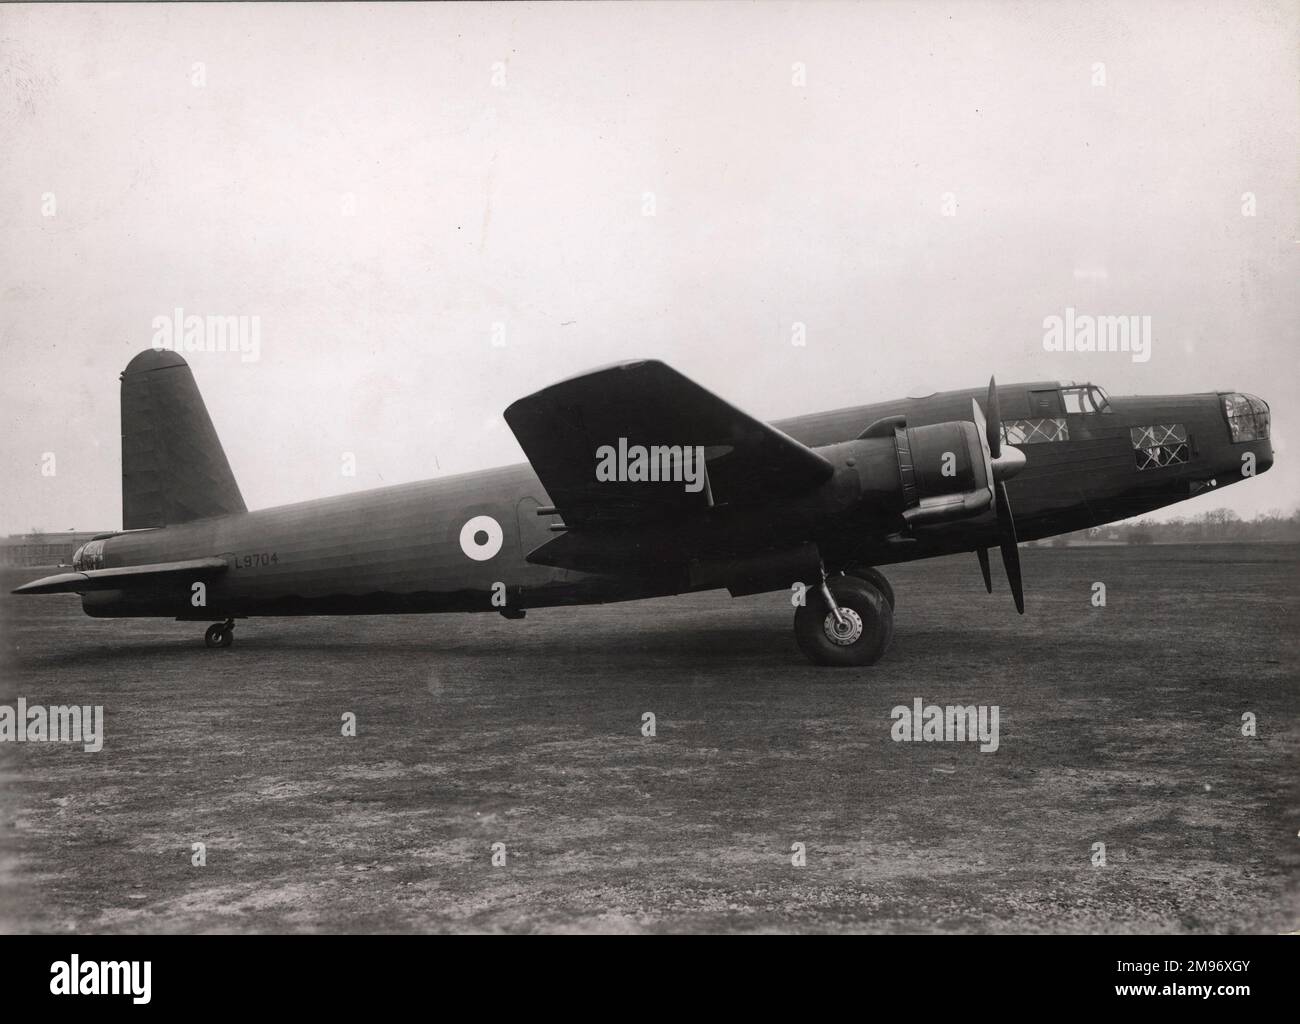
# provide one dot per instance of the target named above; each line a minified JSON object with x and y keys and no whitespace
{"x":1119,"y":725}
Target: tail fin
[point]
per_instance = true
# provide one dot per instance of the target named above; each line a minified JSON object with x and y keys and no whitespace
{"x":173,"y":466}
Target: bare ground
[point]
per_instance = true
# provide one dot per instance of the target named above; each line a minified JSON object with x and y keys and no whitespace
{"x":1119,"y":725}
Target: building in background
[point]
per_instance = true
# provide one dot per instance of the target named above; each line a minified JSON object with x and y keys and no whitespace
{"x":38,"y":549}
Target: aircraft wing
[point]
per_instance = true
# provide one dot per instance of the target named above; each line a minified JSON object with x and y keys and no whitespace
{"x":564,"y":428}
{"x":124,"y":577}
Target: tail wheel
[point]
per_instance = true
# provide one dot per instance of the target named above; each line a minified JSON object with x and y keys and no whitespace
{"x":220,"y":634}
{"x":876,"y":578}
{"x":860,"y":636}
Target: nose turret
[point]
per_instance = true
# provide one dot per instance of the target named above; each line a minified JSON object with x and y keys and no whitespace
{"x":1248,"y":426}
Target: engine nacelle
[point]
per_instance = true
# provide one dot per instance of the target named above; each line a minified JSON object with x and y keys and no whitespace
{"x":944,"y":472}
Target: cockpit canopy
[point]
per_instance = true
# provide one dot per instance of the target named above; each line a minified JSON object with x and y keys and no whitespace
{"x":1082,"y":398}
{"x":1067,"y":397}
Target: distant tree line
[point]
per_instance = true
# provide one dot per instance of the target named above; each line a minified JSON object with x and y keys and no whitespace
{"x":1218,"y":525}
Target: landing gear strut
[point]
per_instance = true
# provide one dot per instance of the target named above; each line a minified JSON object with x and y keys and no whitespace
{"x":220,"y":634}
{"x":850,"y":622}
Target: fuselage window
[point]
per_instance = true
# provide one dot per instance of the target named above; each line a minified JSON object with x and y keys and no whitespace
{"x":1159,"y":445}
{"x":1040,"y":431}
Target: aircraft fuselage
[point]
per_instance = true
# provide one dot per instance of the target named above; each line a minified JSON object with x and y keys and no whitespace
{"x":461,"y":543}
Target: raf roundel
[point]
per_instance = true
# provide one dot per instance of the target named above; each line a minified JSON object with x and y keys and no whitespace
{"x":481,"y":538}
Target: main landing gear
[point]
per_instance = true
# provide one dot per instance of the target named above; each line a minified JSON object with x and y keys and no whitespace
{"x":876,"y":578}
{"x":849,"y":622}
{"x":220,"y":634}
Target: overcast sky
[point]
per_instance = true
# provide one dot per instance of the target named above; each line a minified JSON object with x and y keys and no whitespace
{"x":381,"y":185}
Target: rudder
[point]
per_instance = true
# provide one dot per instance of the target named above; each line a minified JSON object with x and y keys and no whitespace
{"x":174,"y":469}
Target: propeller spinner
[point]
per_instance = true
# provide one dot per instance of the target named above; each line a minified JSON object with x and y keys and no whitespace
{"x":1003,"y":462}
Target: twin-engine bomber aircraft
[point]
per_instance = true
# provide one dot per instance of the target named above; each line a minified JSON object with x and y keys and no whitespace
{"x":644,"y":484}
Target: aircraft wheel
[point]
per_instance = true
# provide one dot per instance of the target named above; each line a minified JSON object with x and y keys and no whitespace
{"x":876,"y":578}
{"x":861,"y":638}
{"x":219,"y":635}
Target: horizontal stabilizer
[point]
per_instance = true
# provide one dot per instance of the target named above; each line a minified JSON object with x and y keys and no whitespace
{"x":648,"y":407}
{"x":126,"y":577}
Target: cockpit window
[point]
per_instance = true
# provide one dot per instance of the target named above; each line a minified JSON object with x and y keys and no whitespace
{"x":1087,"y":398}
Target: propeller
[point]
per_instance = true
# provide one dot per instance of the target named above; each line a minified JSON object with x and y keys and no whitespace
{"x":993,"y":425}
{"x":983,"y":555}
{"x":1003,"y":462}
{"x":1010,"y":551}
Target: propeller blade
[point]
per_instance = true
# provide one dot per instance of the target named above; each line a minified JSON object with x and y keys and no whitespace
{"x":1005,"y":460}
{"x":982,"y":429}
{"x":981,"y":424}
{"x":993,"y":428}
{"x":1010,"y":551}
{"x":1001,"y":463}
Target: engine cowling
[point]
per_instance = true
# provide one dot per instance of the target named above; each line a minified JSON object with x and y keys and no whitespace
{"x":947,"y":472}
{"x":944,"y":472}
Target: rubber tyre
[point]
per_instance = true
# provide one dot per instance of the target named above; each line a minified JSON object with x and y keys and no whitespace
{"x":876,"y":578}
{"x":864,"y":599}
{"x":215,"y":636}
